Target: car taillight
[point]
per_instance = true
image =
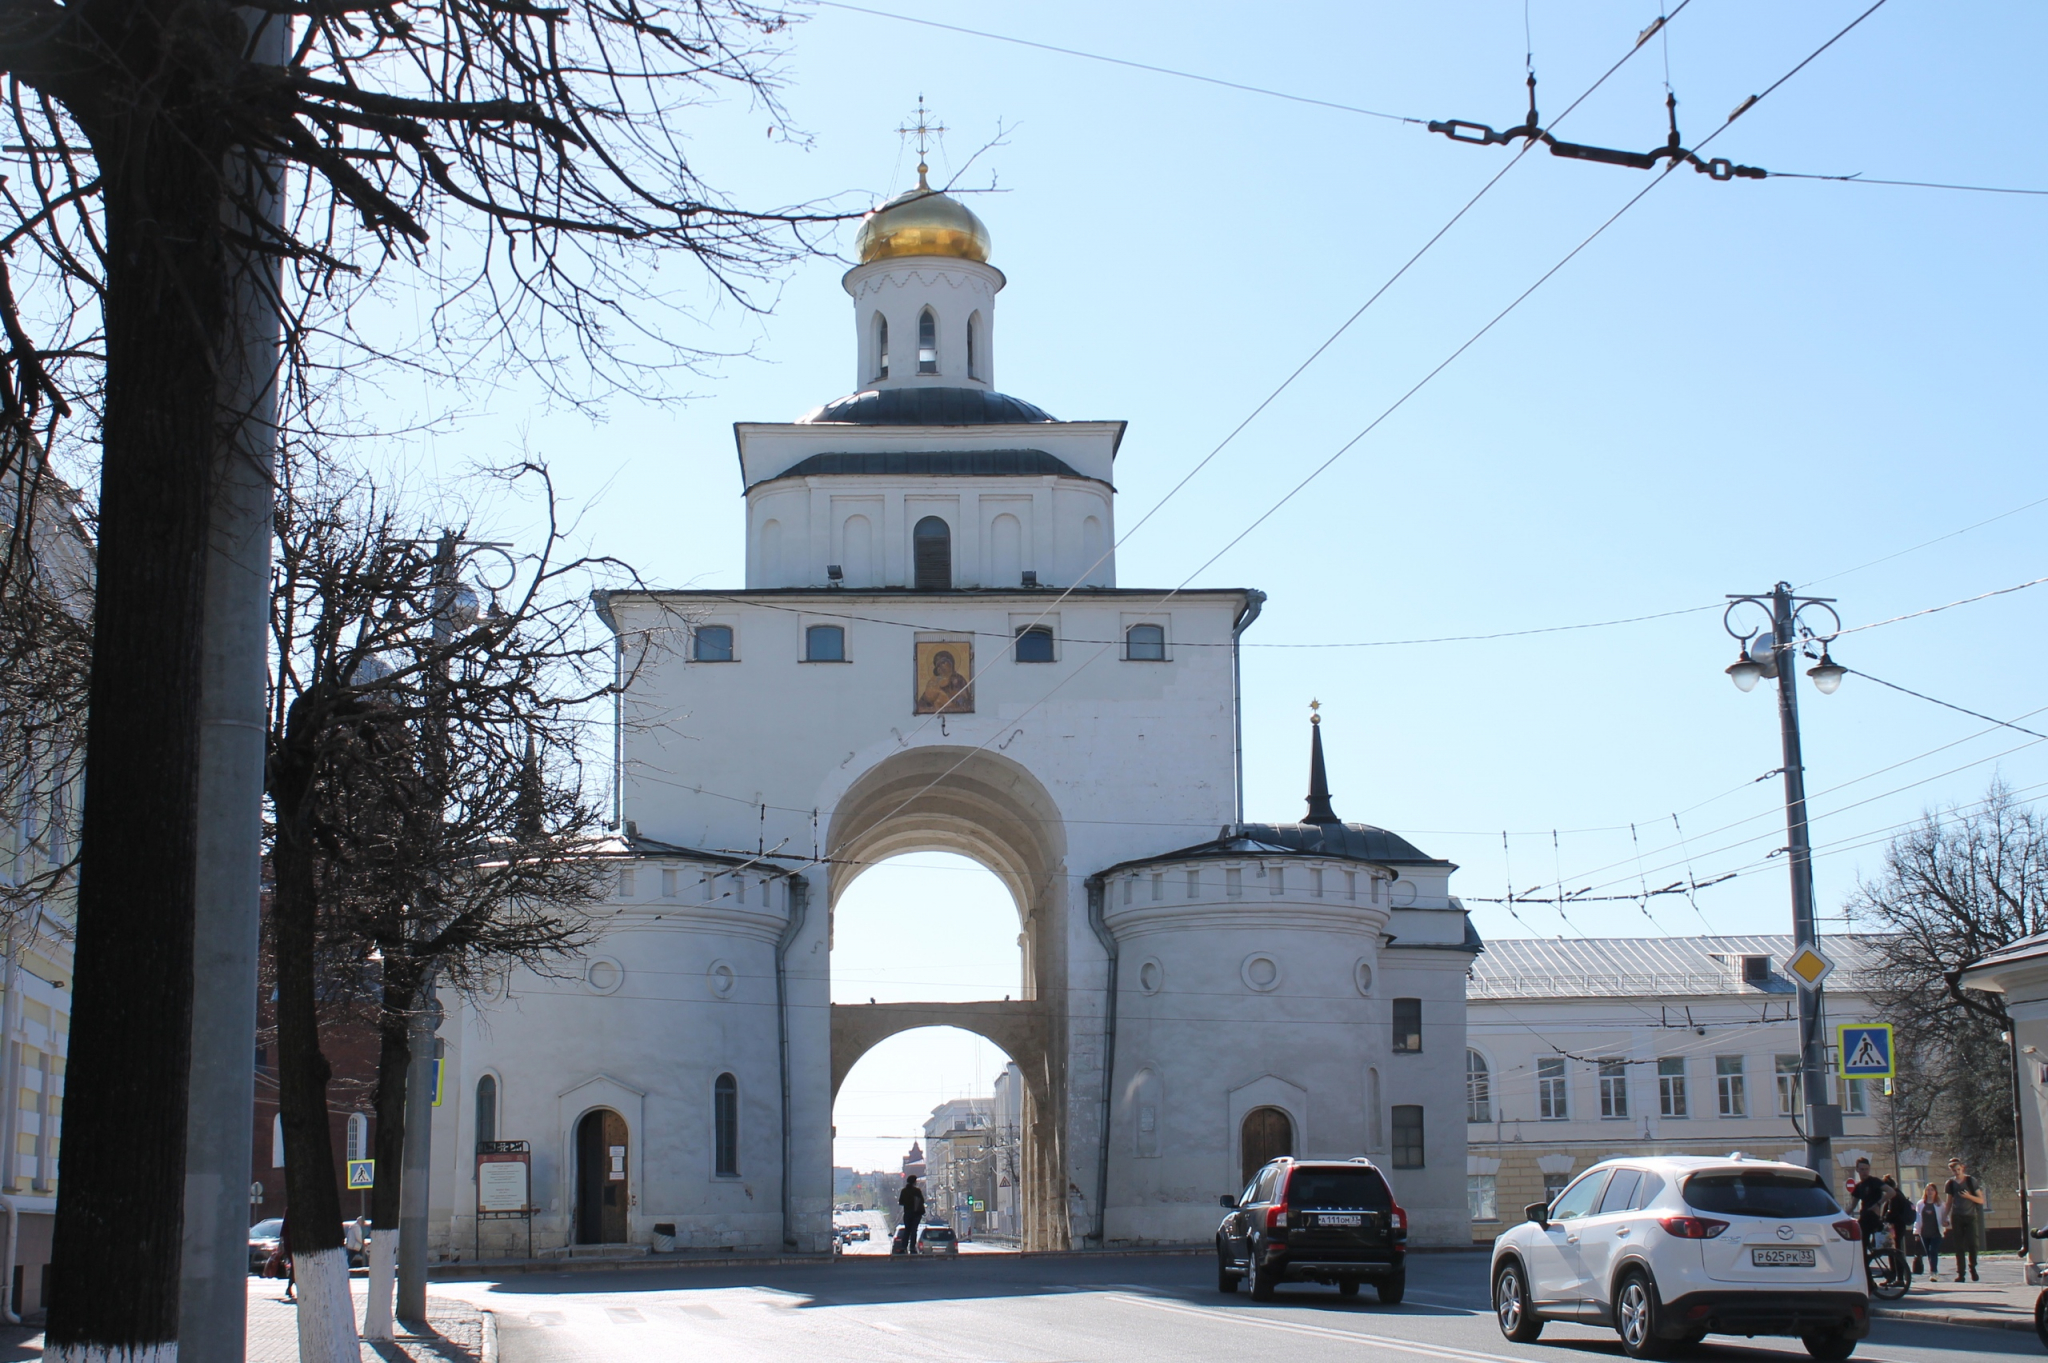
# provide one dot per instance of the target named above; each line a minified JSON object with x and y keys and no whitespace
{"x":1849,"y":1230}
{"x":1397,"y":1220}
{"x":1276,"y":1217}
{"x":1693,"y":1227}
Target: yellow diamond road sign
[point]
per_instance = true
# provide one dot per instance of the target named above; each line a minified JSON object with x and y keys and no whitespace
{"x":1809,"y":967}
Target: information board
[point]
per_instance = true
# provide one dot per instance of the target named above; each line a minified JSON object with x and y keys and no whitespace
{"x":501,"y":1183}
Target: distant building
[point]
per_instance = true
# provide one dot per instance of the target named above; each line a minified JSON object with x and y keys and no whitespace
{"x":1581,"y":1048}
{"x":1006,"y":1151}
{"x":913,"y":1163}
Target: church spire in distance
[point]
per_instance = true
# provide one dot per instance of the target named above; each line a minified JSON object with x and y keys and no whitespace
{"x":1319,"y":810}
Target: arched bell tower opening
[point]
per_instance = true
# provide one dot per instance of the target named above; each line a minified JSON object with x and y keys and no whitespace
{"x":983,"y":806}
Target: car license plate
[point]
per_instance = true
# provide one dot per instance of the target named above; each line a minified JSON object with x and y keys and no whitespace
{"x":1772,"y":1256}
{"x":1328,"y":1219}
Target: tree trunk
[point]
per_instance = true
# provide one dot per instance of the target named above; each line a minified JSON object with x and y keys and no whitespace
{"x":314,"y":1201}
{"x":120,"y":1218}
{"x":394,"y":1059}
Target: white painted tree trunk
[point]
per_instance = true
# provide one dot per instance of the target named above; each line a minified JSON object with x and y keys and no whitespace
{"x":383,"y":1281}
{"x":114,"y":1353}
{"x":327,"y":1312}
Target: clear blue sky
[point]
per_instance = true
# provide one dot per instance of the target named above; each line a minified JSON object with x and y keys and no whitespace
{"x":1737,"y":383}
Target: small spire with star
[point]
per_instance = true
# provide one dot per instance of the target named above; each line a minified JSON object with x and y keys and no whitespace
{"x":1319,"y":810}
{"x":923,"y":131}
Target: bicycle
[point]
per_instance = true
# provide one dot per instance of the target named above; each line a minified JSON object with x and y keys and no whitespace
{"x":1884,"y":1263}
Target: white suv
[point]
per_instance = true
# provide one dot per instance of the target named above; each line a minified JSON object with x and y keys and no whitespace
{"x":1670,"y":1249}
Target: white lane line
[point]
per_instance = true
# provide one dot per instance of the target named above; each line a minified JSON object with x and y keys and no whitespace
{"x":1324,"y":1332}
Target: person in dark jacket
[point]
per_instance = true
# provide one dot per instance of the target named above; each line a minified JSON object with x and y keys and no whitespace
{"x":911,"y":1199}
{"x":1897,"y":1211}
{"x":1866,"y":1196}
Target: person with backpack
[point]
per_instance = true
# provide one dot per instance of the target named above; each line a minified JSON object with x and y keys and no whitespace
{"x":1964,"y":1198}
{"x":911,"y":1199}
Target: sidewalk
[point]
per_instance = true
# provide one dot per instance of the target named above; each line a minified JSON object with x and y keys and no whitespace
{"x":2002,"y":1301}
{"x":456,"y":1331}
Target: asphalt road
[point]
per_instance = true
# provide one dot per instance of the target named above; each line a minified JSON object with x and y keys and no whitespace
{"x":1067,"y":1309}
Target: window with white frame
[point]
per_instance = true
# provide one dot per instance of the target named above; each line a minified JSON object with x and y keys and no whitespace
{"x":1788,"y":1085}
{"x":1552,"y":1104}
{"x":1482,"y":1196}
{"x":1145,"y":644}
{"x":358,"y":1136}
{"x":1613,"y":1088}
{"x":1671,"y":1087}
{"x":712,"y":644}
{"x":1478,"y":1088}
{"x":1728,"y":1086}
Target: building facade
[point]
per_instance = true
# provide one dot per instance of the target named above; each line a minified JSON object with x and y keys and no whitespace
{"x":933,"y":652}
{"x":1581,"y":1048}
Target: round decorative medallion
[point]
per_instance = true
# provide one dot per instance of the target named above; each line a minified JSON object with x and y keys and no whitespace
{"x":1151,"y":975}
{"x":603,"y":975}
{"x":1362,"y":973}
{"x":1260,"y":972}
{"x":722,"y":977}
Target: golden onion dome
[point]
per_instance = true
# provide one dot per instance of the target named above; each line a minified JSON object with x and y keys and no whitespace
{"x":922,"y":222}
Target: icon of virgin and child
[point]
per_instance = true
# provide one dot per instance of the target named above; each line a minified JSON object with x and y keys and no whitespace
{"x":945,"y":677}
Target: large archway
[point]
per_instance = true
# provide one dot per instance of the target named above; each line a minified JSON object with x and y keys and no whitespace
{"x":980,"y":805}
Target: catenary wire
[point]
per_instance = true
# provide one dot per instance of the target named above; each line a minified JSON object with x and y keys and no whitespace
{"x":1924,"y":544}
{"x":1944,"y":704}
{"x":1936,"y":610}
{"x":1903,"y":184}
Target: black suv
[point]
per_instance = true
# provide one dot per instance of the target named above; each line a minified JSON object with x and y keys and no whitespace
{"x":1322,"y":1221}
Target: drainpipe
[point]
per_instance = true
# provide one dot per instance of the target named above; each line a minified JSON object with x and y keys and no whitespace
{"x":10,"y":1086}
{"x":1096,"y":892}
{"x":799,"y":910}
{"x":1254,"y":602}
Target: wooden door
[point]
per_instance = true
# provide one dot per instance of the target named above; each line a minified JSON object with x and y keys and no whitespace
{"x":1267,"y":1134}
{"x":602,"y":1185}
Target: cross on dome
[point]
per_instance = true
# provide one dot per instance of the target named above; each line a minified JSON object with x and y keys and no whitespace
{"x":922,"y":130}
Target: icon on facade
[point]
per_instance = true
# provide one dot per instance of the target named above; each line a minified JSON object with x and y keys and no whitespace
{"x":945,"y":677}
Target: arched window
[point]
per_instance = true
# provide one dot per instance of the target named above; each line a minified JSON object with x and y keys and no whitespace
{"x":1034,"y":644}
{"x":824,"y":644}
{"x":358,"y":1135}
{"x":1145,"y":644}
{"x":713,"y":644}
{"x":881,"y":346}
{"x":931,"y":546}
{"x":927,"y":343}
{"x":725,"y":1124}
{"x":974,"y":346}
{"x":1267,"y":1134}
{"x":486,"y":1109}
{"x":1478,"y":1088}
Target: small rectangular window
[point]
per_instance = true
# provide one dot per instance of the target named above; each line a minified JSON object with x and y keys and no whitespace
{"x":1034,"y":645}
{"x":712,"y":644}
{"x":1553,"y":1103}
{"x":1789,"y":1083}
{"x":1407,"y":1026}
{"x":1855,"y":1097}
{"x":824,"y":644}
{"x":1756,"y":970}
{"x":1671,"y":1087}
{"x":1194,"y":884}
{"x":1315,"y":882}
{"x":626,"y":883}
{"x":668,"y":884}
{"x":1158,"y":886}
{"x":1728,"y":1084}
{"x":1482,"y":1197}
{"x":1613,"y":1088}
{"x":1553,"y":1184}
{"x":1233,"y":882}
{"x":1408,"y":1136}
{"x":1145,"y":644}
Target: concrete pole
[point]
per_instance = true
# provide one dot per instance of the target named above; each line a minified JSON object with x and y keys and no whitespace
{"x":1805,"y":929}
{"x":214,"y":1262}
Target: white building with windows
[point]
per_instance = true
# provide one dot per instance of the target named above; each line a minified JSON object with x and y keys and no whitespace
{"x":933,"y":651}
{"x":1582,"y":1048}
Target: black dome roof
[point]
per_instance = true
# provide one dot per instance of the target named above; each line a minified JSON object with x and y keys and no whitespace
{"x":1357,"y":841}
{"x":926,"y":407}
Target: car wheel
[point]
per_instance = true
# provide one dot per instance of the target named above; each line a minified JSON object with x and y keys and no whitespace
{"x":1257,"y":1281}
{"x":1226,"y":1281}
{"x":1635,"y":1319}
{"x":1392,"y":1288}
{"x":1832,"y":1346}
{"x":1512,"y":1307}
{"x":1348,"y":1288}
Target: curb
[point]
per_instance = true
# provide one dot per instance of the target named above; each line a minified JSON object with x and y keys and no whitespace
{"x":1973,"y":1320}
{"x":490,"y":1346}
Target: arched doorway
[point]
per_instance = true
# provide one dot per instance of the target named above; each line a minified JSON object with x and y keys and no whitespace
{"x":602,"y":1183}
{"x":988,"y":809}
{"x":1267,"y":1134}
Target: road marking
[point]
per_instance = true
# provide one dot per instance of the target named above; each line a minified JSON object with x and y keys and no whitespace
{"x":1324,"y":1332}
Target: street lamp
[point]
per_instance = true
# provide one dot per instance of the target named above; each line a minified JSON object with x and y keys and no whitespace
{"x":1773,"y":650}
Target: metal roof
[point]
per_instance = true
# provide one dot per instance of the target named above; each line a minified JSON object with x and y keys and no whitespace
{"x":1691,"y":967}
{"x":931,"y":464}
{"x":926,"y":407}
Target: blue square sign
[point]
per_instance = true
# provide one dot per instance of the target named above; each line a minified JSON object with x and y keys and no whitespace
{"x":1866,"y":1050}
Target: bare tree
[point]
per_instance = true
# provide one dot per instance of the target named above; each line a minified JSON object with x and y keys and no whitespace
{"x":428,"y":800}
{"x":1963,"y":882}
{"x":139,"y":271}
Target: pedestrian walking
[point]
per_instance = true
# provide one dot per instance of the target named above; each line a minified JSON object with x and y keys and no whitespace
{"x":1866,"y":1198}
{"x":1964,"y":1198}
{"x":911,"y":1199}
{"x":1929,"y":1227}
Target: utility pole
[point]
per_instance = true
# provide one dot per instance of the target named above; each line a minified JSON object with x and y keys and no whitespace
{"x":1775,"y":653}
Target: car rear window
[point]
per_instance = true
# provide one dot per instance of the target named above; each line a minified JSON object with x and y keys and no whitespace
{"x":1760,"y":1192}
{"x":266,"y":1230}
{"x":1361,"y":1188}
{"x":938,"y":1233}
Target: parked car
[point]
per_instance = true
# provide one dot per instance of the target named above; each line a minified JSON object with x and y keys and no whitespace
{"x":263,"y":1237}
{"x":1670,"y":1249}
{"x":936,"y":1239}
{"x":1324,"y":1221}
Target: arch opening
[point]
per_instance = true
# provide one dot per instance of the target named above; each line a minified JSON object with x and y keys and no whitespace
{"x":602,"y":1188}
{"x":1267,"y":1134}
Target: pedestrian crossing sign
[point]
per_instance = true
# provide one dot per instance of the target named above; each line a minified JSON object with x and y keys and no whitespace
{"x":362,"y":1175}
{"x":1866,"y":1050}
